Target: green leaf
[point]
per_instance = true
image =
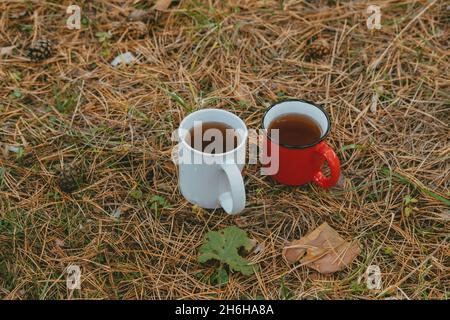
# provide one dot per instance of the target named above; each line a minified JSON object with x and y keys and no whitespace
{"x":357,"y":287}
{"x":281,"y":94}
{"x":106,"y":53}
{"x":161,"y":201}
{"x":351,"y":147}
{"x":85,"y":21}
{"x":26,"y":28}
{"x":17,"y":94}
{"x":223,"y":246}
{"x":136,"y":194}
{"x":15,"y":75}
{"x":408,"y":211}
{"x":20,"y":153}
{"x":285,"y":292}
{"x":2,"y":175}
{"x":220,"y":277}
{"x":408,"y":200}
{"x":103,"y":36}
{"x":389,"y":251}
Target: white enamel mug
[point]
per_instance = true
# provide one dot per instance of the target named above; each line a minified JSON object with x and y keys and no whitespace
{"x":212,"y":180}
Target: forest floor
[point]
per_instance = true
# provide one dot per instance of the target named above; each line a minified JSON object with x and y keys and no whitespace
{"x":126,"y":225}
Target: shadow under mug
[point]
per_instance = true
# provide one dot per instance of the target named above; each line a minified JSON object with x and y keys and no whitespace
{"x":298,"y":165}
{"x":212,"y":180}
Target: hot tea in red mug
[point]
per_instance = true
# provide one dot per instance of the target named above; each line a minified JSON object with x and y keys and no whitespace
{"x":300,"y":143}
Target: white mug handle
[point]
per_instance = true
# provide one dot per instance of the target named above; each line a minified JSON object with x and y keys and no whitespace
{"x":233,"y":201}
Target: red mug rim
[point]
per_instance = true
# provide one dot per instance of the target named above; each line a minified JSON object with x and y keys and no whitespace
{"x":303,"y":146}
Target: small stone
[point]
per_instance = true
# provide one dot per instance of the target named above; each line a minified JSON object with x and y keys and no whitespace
{"x":125,"y":58}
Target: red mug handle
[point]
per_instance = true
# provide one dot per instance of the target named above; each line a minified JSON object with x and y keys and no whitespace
{"x":333,"y":163}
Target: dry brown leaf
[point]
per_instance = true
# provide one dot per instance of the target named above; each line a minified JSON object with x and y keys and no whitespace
{"x":323,"y":249}
{"x":6,"y":51}
{"x":162,"y":5}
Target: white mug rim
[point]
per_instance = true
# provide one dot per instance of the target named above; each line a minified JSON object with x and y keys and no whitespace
{"x":241,"y":144}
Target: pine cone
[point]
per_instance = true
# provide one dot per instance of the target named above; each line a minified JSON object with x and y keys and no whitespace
{"x":69,"y":179}
{"x":318,"y":49}
{"x":40,"y":50}
{"x":137,"y":29}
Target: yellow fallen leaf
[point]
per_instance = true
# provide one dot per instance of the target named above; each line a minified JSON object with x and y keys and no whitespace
{"x":162,"y":5}
{"x":323,"y":249}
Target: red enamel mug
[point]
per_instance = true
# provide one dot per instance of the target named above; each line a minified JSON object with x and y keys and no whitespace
{"x":298,"y":165}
